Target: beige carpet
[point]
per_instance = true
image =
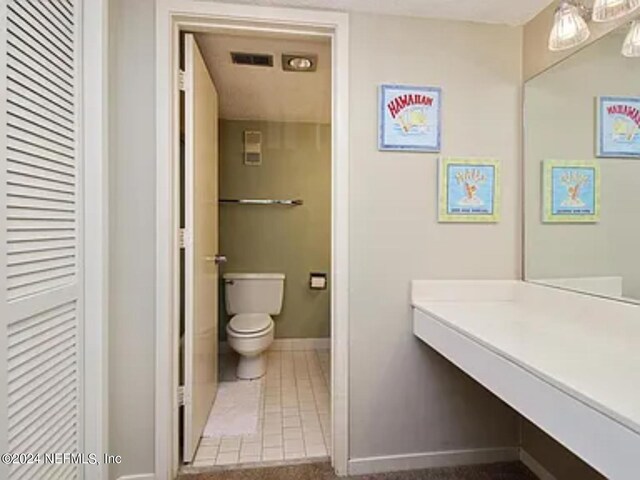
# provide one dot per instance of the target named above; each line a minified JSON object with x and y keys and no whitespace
{"x":323,"y":471}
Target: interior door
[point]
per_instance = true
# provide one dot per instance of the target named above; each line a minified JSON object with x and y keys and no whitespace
{"x":41,"y":237}
{"x":201,"y":246}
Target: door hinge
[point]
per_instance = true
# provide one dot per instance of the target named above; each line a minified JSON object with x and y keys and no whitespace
{"x":180,"y":395}
{"x":182,"y":238}
{"x":182,"y":83}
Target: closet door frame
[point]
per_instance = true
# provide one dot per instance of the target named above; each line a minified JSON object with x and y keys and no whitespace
{"x":95,"y":137}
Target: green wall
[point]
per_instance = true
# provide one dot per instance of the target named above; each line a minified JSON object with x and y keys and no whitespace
{"x":296,"y":163}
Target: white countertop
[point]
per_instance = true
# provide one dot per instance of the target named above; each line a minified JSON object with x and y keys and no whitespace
{"x":587,"y":347}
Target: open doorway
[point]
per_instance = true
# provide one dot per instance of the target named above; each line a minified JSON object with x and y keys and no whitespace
{"x":256,"y":218}
{"x":172,"y":19}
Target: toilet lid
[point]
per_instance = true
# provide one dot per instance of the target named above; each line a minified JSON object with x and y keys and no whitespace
{"x":250,"y":322}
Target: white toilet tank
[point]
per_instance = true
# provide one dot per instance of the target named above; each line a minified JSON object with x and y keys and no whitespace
{"x":253,"y":293}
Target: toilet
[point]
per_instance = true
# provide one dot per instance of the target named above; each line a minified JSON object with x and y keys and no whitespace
{"x":251,"y":299}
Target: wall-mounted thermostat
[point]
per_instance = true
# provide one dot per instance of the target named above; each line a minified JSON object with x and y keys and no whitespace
{"x":252,"y":148}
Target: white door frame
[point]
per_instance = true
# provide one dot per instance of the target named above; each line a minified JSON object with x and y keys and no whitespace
{"x":95,"y":99}
{"x":171,"y":17}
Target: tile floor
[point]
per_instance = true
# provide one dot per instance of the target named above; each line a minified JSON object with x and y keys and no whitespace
{"x":293,"y":419}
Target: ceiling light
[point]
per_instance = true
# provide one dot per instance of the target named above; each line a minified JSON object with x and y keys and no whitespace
{"x":569,"y":27}
{"x":607,"y":10}
{"x":299,"y":63}
{"x":631,"y":47}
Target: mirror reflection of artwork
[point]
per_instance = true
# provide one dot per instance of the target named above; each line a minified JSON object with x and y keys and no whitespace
{"x":589,"y":241}
{"x":469,"y":190}
{"x":618,"y":132}
{"x":572,"y":191}
{"x":409,"y":118}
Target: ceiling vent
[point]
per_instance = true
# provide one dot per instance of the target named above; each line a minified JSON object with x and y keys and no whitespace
{"x":255,"y":59}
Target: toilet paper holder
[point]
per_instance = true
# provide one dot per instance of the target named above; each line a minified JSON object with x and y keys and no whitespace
{"x":317,"y":281}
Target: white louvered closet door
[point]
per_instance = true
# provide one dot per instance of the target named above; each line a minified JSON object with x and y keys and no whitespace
{"x":41,"y":256}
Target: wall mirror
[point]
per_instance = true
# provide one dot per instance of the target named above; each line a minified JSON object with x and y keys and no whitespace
{"x":582,"y":172}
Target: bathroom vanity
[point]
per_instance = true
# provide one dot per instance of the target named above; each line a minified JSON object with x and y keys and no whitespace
{"x":568,"y":362}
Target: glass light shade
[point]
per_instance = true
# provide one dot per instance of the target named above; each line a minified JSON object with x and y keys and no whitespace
{"x":607,"y":10}
{"x":569,"y":28}
{"x":631,"y":46}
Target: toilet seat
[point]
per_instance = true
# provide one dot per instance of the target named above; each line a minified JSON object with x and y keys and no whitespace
{"x":250,"y":324}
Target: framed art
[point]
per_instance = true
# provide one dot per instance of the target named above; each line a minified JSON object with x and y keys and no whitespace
{"x":618,"y":127}
{"x":571,"y":191}
{"x":409,"y":118}
{"x":469,"y":190}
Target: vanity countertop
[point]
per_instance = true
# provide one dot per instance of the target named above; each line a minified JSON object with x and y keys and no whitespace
{"x":587,"y":347}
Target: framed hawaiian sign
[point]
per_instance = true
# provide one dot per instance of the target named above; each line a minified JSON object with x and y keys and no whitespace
{"x":618,"y":127}
{"x":571,"y":191}
{"x":409,"y":118}
{"x":469,"y":190}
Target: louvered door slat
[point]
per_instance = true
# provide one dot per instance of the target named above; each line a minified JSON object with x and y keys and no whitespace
{"x":23,"y":157}
{"x":48,"y":14}
{"x":56,"y":17}
{"x":35,"y":131}
{"x":29,"y":386}
{"x":37,"y":91}
{"x":37,"y":98}
{"x":45,"y":23}
{"x":41,"y":226}
{"x":37,"y":114}
{"x":23,"y":26}
{"x":33,"y":61}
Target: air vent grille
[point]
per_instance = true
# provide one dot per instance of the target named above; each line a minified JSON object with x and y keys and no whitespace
{"x":255,"y":59}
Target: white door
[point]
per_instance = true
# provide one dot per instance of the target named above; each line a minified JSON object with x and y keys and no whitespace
{"x":201,"y":246}
{"x":41,"y":264}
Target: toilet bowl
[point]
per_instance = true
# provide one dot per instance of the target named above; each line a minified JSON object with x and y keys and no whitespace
{"x":252,"y":299}
{"x":250,"y":334}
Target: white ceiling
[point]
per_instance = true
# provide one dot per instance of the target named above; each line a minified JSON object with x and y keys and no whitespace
{"x":269,"y":93}
{"x":511,"y":12}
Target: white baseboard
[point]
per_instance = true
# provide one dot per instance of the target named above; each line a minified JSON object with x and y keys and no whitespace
{"x":417,"y":461}
{"x":290,"y":345}
{"x":142,"y":476}
{"x":535,"y":466}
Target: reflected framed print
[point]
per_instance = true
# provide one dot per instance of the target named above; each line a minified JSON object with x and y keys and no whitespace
{"x":571,"y":191}
{"x":618,"y":127}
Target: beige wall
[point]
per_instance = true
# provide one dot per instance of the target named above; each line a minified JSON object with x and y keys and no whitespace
{"x":132,"y":236}
{"x":560,"y":119}
{"x":537,"y":57}
{"x":404,"y":397}
{"x":291,"y":240}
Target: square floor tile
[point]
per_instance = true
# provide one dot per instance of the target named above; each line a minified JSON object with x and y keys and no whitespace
{"x":316,"y":450}
{"x":271,"y":454}
{"x":230,"y":444}
{"x":292,"y":433}
{"x":272,"y":441}
{"x":228,"y":458}
{"x":291,"y":422}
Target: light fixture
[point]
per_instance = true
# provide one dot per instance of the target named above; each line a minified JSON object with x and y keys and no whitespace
{"x":631,"y":46}
{"x":569,"y":26}
{"x":607,"y":10}
{"x":299,"y":63}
